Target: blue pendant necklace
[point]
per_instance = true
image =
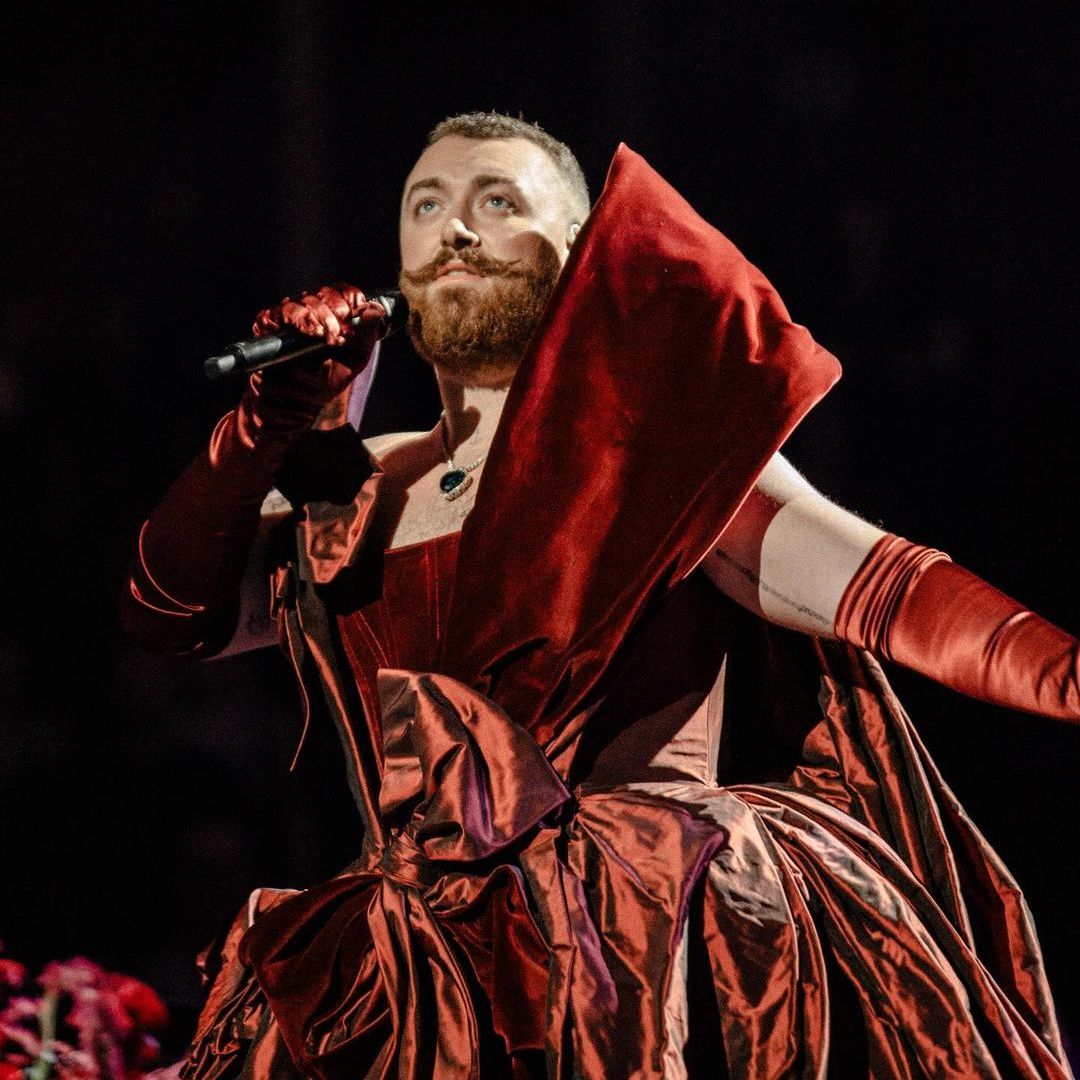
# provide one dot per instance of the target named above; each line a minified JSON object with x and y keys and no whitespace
{"x":456,"y":480}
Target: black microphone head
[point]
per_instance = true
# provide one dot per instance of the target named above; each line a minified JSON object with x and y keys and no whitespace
{"x":396,"y":308}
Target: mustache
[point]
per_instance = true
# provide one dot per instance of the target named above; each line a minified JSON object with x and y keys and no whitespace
{"x":482,"y":264}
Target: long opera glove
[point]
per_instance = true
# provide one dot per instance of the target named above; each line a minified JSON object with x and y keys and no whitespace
{"x":912,"y":604}
{"x":183,"y":593}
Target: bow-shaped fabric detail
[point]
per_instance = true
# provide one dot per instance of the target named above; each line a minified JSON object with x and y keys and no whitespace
{"x":376,"y":972}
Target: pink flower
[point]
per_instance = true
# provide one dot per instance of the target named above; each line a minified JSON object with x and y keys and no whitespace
{"x":72,"y":1064}
{"x":70,"y":976}
{"x":14,"y":1028}
{"x":96,"y":1012}
{"x":12,"y":974}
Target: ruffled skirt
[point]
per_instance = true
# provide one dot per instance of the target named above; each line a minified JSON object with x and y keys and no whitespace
{"x":509,"y":927}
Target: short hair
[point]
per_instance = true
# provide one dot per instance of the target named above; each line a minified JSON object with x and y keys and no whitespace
{"x":493,"y":125}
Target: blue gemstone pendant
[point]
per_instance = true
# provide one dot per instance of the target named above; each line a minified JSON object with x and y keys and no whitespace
{"x":454,"y":483}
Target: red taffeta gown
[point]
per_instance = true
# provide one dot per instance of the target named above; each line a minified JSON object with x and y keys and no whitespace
{"x":614,"y":826}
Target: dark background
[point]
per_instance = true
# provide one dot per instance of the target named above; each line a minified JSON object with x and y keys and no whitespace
{"x":903,"y":173}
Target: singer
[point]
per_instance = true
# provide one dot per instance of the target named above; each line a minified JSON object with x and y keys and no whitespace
{"x":637,"y":799}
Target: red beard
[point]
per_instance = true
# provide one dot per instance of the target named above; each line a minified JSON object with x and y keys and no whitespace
{"x":478,"y":335}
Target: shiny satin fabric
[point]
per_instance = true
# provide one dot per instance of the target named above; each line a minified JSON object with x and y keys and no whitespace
{"x":653,"y":928}
{"x":825,"y":908}
{"x":913,"y":605}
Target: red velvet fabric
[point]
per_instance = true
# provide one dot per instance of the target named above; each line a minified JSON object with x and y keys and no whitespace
{"x":618,"y":445}
{"x":821,"y":906}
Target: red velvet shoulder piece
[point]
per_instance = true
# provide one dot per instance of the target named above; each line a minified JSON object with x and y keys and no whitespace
{"x":665,"y":373}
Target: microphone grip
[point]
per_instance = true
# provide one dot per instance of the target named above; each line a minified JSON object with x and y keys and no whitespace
{"x":257,"y":353}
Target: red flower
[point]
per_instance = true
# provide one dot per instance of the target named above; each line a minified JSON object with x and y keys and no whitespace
{"x":140,"y":1001}
{"x":12,"y":974}
{"x":147,"y":1052}
{"x":10,"y":1071}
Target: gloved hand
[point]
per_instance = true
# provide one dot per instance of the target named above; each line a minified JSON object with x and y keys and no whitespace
{"x":325,"y":313}
{"x":914,"y":605}
{"x":183,"y":592}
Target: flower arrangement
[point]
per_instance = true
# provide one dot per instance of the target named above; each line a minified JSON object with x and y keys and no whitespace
{"x":76,"y":1021}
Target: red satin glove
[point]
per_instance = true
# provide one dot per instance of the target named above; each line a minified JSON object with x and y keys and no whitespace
{"x":183,"y":592}
{"x":913,"y":605}
{"x":324,"y":313}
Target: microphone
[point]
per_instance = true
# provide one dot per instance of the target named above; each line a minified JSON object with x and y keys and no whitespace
{"x":256,"y":353}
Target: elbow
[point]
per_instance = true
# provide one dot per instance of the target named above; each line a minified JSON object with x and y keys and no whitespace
{"x":162,"y":626}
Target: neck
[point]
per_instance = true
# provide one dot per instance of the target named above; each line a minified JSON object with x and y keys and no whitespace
{"x":472,"y":415}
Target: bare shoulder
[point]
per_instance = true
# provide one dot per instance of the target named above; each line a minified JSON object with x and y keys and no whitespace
{"x":380,"y":445}
{"x":402,"y":453}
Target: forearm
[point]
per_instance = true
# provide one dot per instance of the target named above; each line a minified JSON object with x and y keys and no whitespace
{"x":184,"y":589}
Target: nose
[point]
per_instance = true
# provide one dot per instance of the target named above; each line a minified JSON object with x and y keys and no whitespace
{"x":457,"y":235}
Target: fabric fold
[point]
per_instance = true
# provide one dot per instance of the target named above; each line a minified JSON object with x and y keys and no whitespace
{"x":384,"y":963}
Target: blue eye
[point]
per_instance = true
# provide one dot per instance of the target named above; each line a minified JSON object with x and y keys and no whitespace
{"x":499,"y":202}
{"x":425,"y":206}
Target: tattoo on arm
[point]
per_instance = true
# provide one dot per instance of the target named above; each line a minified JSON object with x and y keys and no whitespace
{"x":764,"y":586}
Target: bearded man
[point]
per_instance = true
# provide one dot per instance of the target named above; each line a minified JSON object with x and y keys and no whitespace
{"x":637,"y":800}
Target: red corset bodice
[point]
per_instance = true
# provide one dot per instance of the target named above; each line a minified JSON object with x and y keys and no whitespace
{"x":402,"y":624}
{"x":398,"y":618}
